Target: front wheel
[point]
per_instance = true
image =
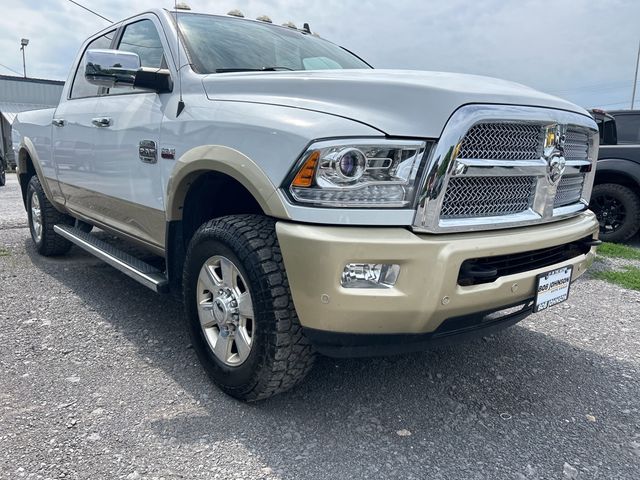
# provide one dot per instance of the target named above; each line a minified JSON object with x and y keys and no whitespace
{"x":241,"y":317}
{"x":3,"y":175}
{"x":618,"y":211}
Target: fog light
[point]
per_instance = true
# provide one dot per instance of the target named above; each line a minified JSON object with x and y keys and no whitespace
{"x":369,"y":275}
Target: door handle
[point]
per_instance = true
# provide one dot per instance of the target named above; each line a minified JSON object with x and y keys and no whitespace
{"x":58,"y":122}
{"x":101,"y":121}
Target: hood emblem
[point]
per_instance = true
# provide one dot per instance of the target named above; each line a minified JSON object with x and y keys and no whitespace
{"x":555,"y":137}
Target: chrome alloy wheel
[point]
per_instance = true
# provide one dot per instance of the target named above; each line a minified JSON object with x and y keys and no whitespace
{"x":36,"y":217}
{"x":225,"y":310}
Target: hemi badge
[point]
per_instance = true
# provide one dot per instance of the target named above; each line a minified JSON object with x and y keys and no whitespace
{"x":168,"y":153}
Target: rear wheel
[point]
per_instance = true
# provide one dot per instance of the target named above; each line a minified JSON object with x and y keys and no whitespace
{"x":42,"y":217}
{"x":241,"y":317}
{"x":618,"y":211}
{"x":3,"y":175}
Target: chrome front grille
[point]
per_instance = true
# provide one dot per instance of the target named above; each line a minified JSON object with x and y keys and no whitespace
{"x":502,"y":141}
{"x":487,"y":196}
{"x":569,"y":190}
{"x":576,"y":146}
{"x":491,"y":169}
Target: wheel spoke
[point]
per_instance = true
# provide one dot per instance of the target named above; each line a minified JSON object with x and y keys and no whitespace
{"x":205,"y":313}
{"x":208,"y":279}
{"x":245,"y":305}
{"x":243,"y":344}
{"x":228,"y":273}
{"x":222,"y":348}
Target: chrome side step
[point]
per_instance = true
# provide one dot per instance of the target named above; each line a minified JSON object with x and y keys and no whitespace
{"x":140,"y":271}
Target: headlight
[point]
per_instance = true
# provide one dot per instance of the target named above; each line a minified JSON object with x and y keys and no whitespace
{"x":359,"y":173}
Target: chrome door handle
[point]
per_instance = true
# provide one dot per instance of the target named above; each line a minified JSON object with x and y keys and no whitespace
{"x":102,"y":122}
{"x":58,"y":122}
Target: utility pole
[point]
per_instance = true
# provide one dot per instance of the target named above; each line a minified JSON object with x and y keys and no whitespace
{"x":635,"y":79}
{"x":23,"y":43}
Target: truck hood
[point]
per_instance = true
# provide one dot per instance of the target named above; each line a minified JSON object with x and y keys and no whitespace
{"x":396,"y":102}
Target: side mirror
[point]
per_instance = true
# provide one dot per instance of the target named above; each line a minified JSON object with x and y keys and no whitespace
{"x":111,"y":68}
{"x":115,"y":68}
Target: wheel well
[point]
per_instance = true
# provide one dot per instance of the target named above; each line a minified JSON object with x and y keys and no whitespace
{"x":615,"y":177}
{"x":24,"y":160}
{"x":212,"y":195}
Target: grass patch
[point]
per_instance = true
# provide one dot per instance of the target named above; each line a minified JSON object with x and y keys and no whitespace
{"x":4,"y":253}
{"x":616,"y":250}
{"x":627,"y":278}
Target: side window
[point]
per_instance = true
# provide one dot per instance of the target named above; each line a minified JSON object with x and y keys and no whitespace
{"x":628,"y":128}
{"x":142,"y":38}
{"x":80,"y":87}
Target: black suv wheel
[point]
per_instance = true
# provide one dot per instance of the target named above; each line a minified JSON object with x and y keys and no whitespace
{"x":618,"y":210}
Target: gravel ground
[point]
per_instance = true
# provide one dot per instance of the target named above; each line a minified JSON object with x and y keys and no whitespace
{"x":97,"y":380}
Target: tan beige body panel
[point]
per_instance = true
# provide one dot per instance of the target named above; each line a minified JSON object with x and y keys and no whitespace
{"x":136,"y":222}
{"x":50,"y":185}
{"x":315,"y":256}
{"x":224,"y":160}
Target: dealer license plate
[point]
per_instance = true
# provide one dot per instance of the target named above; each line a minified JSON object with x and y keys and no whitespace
{"x":553,"y":288}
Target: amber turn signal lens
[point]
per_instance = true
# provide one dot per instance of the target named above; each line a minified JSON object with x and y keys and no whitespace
{"x":304,"y":178}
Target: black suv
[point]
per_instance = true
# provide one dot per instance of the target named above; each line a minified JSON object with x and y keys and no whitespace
{"x":616,"y":193}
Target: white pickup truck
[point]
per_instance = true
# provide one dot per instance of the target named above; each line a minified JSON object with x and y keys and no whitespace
{"x":301,"y":201}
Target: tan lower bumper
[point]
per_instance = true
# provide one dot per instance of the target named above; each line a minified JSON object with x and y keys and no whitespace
{"x":315,"y":257}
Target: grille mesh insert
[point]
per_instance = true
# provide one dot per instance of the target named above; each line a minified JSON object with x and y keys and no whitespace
{"x":487,"y":196}
{"x":502,"y":141}
{"x":569,"y":190}
{"x":577,"y":145}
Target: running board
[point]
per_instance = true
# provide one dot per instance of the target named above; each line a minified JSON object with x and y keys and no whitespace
{"x":133,"y":267}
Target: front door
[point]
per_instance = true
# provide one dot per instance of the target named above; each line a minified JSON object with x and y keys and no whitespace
{"x":127,"y":143}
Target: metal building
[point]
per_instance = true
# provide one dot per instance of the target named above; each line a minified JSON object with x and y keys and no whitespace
{"x":17,"y":95}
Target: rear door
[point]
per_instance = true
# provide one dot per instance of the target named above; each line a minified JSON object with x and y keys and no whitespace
{"x":73,"y":136}
{"x":130,"y":180}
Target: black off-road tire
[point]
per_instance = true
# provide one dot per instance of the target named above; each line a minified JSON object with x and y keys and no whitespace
{"x":281,"y":356}
{"x":626,"y":200}
{"x":3,"y":175}
{"x":50,"y":243}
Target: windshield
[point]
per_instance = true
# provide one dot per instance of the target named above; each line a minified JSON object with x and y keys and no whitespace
{"x":224,"y":44}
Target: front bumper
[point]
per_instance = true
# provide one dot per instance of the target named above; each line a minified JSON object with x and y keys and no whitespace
{"x":427,"y":291}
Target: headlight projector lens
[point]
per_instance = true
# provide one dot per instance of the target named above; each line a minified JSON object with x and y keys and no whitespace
{"x":350,"y":164}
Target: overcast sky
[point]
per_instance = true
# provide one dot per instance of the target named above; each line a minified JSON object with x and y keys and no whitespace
{"x":582,"y":50}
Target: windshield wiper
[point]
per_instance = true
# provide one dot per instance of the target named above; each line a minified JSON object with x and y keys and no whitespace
{"x":263,"y":69}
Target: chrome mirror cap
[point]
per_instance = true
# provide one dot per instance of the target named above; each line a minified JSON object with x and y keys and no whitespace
{"x":110,"y":68}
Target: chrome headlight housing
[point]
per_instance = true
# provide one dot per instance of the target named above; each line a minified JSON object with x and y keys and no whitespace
{"x":359,"y":173}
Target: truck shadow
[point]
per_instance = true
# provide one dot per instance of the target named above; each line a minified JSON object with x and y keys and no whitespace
{"x":396,"y":412}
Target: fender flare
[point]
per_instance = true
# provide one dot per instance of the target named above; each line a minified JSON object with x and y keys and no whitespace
{"x":28,"y":148}
{"x":619,"y":167}
{"x":231,"y":162}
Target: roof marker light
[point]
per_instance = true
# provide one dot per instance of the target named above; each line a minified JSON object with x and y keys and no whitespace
{"x":236,"y":13}
{"x":264,"y":18}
